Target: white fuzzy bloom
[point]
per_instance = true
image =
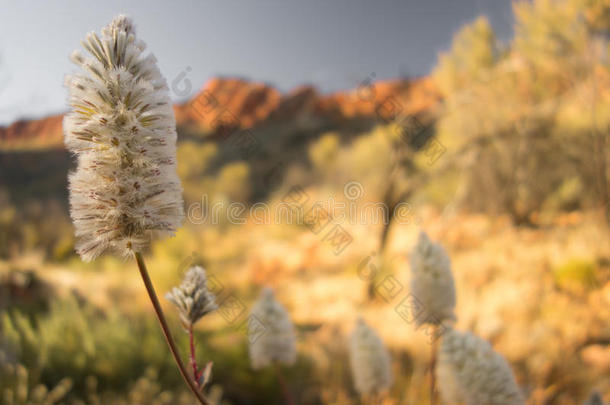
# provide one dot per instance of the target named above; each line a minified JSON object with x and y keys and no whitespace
{"x":432,"y":282}
{"x":469,"y":371}
{"x":192,"y":297}
{"x":271,"y":333}
{"x":370,"y":360}
{"x":122,"y":129}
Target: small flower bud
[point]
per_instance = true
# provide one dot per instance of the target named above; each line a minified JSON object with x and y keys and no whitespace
{"x":192,"y":297}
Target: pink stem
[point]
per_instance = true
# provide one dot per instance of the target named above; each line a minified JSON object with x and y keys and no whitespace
{"x":193,"y":358}
{"x":432,"y":368}
{"x":165,"y":328}
{"x":280,"y":376}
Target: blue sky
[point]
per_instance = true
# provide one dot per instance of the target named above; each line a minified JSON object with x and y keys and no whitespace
{"x":332,"y":44}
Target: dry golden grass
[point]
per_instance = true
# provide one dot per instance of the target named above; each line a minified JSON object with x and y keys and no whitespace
{"x":508,"y":293}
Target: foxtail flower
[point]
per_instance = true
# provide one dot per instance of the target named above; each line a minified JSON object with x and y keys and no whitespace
{"x":125,"y":190}
{"x":122,"y":130}
{"x":271,"y":333}
{"x":432,"y":282}
{"x":370,"y":361}
{"x":471,"y":372}
{"x":192,"y":297}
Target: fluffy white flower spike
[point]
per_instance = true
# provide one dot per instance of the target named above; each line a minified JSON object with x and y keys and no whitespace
{"x":469,"y":371}
{"x":432,"y":282}
{"x":370,"y":361}
{"x":122,"y":129}
{"x":271,"y":333}
{"x":192,"y":297}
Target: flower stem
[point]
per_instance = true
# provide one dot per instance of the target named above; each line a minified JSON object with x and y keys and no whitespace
{"x":165,"y":328}
{"x":280,"y":376}
{"x":433,"y":366}
{"x":193,"y":357}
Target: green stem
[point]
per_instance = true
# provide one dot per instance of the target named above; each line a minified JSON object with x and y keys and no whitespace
{"x":165,"y":328}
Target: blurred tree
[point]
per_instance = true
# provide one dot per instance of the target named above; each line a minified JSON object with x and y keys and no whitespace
{"x":234,"y":182}
{"x":194,"y":160}
{"x":524,"y":121}
{"x":473,"y":53}
{"x":323,"y":152}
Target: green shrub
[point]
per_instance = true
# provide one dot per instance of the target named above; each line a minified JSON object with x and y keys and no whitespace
{"x":107,"y":357}
{"x":576,"y":275}
{"x":234,"y":181}
{"x":322,"y":153}
{"x":194,"y":158}
{"x":16,"y":388}
{"x":75,"y":340}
